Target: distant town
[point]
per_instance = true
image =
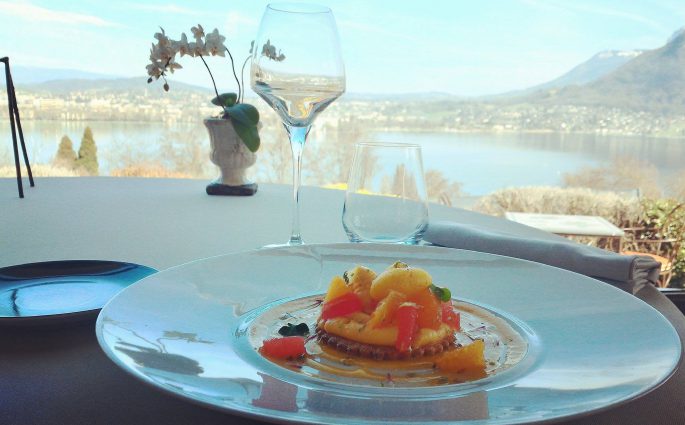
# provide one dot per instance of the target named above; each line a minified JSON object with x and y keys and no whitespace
{"x":402,"y":114}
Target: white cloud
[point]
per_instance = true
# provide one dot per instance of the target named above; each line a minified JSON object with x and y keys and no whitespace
{"x":35,"y":13}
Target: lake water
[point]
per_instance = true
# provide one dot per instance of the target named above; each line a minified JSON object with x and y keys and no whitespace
{"x":481,"y":162}
{"x":486,"y":162}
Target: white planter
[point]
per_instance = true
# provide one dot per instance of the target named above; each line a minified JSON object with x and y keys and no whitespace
{"x":233,"y":158}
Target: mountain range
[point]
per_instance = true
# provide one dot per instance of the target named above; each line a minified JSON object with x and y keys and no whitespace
{"x":596,"y":67}
{"x":27,"y":75}
{"x":109,"y":85}
{"x":652,"y":80}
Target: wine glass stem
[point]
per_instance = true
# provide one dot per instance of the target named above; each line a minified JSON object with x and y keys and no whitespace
{"x":298,"y":137}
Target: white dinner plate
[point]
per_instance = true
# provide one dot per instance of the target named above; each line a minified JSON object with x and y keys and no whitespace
{"x":190,"y":331}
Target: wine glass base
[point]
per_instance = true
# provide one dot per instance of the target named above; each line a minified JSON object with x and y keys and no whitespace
{"x":291,"y":242}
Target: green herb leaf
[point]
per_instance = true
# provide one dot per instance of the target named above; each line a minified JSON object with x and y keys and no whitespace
{"x":443,"y":294}
{"x":300,"y":329}
{"x":225,"y":100}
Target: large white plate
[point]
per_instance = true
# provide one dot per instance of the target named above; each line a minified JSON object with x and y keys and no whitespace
{"x":590,"y":345}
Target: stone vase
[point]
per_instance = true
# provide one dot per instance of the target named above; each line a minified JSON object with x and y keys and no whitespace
{"x":233,"y":158}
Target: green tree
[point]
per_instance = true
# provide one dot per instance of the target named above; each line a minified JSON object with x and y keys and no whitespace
{"x":66,"y":155}
{"x":88,"y":154}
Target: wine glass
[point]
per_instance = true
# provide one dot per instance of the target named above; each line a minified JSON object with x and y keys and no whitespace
{"x":297,"y":68}
{"x":386,"y":198}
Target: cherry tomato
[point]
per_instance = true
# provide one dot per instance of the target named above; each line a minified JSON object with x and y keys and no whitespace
{"x":283,"y":348}
{"x":341,"y":306}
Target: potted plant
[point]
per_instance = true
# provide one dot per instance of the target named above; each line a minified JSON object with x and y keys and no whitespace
{"x":233,"y":135}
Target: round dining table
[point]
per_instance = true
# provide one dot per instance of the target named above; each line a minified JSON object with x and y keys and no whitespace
{"x":58,"y":374}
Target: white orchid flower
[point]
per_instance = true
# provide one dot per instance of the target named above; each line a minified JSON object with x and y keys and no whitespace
{"x":198,"y":32}
{"x":197,"y":49}
{"x":215,"y":43}
{"x":163,"y":53}
{"x":191,"y":49}
{"x":161,"y":37}
{"x":182,"y":45}
{"x":173,"y":65}
{"x":154,"y":70}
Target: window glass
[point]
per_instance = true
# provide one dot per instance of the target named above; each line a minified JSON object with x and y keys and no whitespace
{"x":517,"y":94}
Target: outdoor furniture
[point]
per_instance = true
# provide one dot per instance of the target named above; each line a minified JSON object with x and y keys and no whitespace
{"x":60,"y":375}
{"x":644,"y":241}
{"x":666,"y":266}
{"x":572,"y":226}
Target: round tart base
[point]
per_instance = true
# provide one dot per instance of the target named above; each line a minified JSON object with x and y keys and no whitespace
{"x":378,"y":352}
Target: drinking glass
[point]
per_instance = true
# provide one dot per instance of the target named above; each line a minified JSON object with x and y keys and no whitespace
{"x":386,"y":194}
{"x":297,"y":68}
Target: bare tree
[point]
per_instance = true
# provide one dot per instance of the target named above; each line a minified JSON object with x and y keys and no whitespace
{"x":440,"y":189}
{"x":622,"y":174}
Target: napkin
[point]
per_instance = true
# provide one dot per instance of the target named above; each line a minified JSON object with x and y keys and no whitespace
{"x":628,"y":272}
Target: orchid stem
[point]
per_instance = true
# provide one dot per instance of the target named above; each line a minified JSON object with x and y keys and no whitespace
{"x":242,"y":75}
{"x":210,"y":75}
{"x":234,"y":74}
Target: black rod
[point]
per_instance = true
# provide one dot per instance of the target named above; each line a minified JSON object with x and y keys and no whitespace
{"x":10,"y":105}
{"x":21,"y":133}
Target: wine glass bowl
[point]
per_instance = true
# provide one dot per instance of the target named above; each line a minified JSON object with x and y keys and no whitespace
{"x":297,"y":68}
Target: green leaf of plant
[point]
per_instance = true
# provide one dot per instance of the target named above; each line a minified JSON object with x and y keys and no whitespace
{"x":247,"y":132}
{"x":245,"y":118}
{"x":225,"y":100}
{"x":249,"y":112}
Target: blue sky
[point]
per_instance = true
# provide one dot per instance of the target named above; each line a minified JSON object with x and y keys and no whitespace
{"x":459,"y":47}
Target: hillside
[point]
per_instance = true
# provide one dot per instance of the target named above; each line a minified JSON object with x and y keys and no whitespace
{"x":26,"y":75}
{"x":589,"y":71}
{"x":111,"y":86}
{"x":653,"y":81}
{"x":593,"y":69}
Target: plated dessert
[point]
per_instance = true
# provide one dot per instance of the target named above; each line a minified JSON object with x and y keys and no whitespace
{"x":397,"y":317}
{"x":396,"y":314}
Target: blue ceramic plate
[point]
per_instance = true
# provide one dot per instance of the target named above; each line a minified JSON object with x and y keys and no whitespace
{"x":57,"y":291}
{"x":562,"y":344}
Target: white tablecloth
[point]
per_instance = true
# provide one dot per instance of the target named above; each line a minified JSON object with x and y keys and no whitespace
{"x":165,"y":222}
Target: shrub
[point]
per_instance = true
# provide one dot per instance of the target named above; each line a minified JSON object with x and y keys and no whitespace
{"x":441,"y":189}
{"x":148,"y":170}
{"x":619,"y":209}
{"x":665,"y":219}
{"x":677,"y":186}
{"x":66,"y":156}
{"x":38,"y":170}
{"x":620,"y":174}
{"x":87,"y":161}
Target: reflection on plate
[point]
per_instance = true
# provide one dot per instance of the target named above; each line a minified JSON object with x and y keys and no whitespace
{"x":187,"y":331}
{"x":62,"y":290}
